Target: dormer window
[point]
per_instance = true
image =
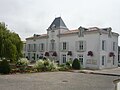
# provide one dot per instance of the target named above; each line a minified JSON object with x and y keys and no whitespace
{"x":81,"y":32}
{"x":109,"y":32}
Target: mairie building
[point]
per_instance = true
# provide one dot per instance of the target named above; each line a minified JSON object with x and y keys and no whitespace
{"x":96,"y":48}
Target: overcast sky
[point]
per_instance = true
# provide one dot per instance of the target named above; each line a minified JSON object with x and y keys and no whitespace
{"x":28,"y":17}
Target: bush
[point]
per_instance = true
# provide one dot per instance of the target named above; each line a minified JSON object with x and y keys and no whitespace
{"x":45,"y":65}
{"x":69,"y":64}
{"x":22,"y":64}
{"x":39,"y":65}
{"x":63,"y":67}
{"x":76,"y":64}
{"x":5,"y":67}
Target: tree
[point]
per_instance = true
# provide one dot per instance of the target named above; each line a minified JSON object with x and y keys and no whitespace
{"x":10,"y":44}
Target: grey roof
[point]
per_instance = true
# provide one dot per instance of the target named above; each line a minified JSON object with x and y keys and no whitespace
{"x":58,"y":23}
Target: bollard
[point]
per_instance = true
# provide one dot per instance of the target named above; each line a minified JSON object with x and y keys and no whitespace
{"x":117,"y":84}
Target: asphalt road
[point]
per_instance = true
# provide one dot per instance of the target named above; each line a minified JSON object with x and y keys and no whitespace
{"x":56,"y":81}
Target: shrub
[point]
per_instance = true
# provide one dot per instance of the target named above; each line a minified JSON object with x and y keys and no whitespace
{"x":39,"y":65}
{"x":5,"y":67}
{"x":22,"y":64}
{"x":63,"y":67}
{"x":69,"y":64}
{"x":45,"y":65}
{"x":76,"y":64}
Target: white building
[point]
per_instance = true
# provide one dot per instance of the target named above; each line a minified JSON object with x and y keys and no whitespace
{"x":96,"y":48}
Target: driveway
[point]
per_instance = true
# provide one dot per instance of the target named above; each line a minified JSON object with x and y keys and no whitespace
{"x":56,"y":81}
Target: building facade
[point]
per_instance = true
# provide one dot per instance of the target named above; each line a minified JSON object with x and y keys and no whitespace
{"x":96,"y":48}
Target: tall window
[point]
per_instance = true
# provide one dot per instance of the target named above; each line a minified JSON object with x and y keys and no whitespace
{"x":64,"y":45}
{"x":64,"y":58}
{"x":34,"y":47}
{"x":28,"y":56}
{"x":28,"y":47}
{"x":52,"y":45}
{"x":41,"y":47}
{"x":103,"y":60}
{"x":34,"y":56}
{"x":103,"y":44}
{"x":80,"y":57}
{"x":80,"y":45}
{"x":114,"y":46}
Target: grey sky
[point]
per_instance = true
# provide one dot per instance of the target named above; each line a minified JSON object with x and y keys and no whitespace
{"x":27,"y":17}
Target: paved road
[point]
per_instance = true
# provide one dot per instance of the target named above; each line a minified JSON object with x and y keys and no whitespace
{"x":56,"y":81}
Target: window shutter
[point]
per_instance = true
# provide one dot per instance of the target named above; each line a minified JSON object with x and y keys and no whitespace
{"x":43,"y":47}
{"x":35,"y":47}
{"x":39,"y":47}
{"x":84,"y":45}
{"x":67,"y":46}
{"x":32,"y":47}
{"x":105,"y":46}
{"x":116,"y":46}
{"x":27,"y":47}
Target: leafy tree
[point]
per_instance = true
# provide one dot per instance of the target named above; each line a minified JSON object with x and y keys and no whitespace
{"x":10,"y":44}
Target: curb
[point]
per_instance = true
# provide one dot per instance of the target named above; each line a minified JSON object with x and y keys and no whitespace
{"x":97,"y":73}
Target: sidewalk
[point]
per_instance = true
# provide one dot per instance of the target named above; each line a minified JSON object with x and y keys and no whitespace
{"x":110,"y":72}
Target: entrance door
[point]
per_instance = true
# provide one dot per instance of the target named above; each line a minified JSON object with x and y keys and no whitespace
{"x":103,"y":61}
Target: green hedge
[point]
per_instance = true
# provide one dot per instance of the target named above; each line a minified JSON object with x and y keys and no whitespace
{"x":4,"y":67}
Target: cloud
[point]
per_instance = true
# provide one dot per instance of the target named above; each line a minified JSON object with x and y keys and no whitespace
{"x":27,"y":17}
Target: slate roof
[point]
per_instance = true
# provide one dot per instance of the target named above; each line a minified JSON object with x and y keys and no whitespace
{"x":58,"y":23}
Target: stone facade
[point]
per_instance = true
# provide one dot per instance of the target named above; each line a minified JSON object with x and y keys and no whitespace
{"x":96,"y":48}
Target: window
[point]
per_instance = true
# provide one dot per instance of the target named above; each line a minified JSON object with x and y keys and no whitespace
{"x":81,"y":32}
{"x":34,"y":47}
{"x":103,"y":44}
{"x":41,"y":47}
{"x":80,"y":45}
{"x":34,"y":56}
{"x":103,"y":60}
{"x":64,"y":46}
{"x":52,"y":45}
{"x":28,"y":47}
{"x":28,"y":56}
{"x":114,"y":46}
{"x":80,"y":57}
{"x":64,"y":58}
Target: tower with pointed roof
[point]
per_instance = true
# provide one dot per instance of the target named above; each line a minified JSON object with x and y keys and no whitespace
{"x":58,"y":23}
